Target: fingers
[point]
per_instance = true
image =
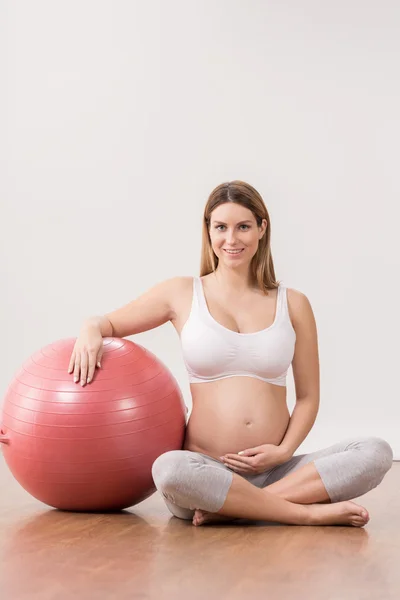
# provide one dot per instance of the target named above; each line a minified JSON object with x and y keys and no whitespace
{"x":84,"y":367}
{"x":242,"y":460}
{"x":91,"y":367}
{"x":83,"y":364}
{"x":237,"y":465}
{"x":71,"y":363}
{"x":240,"y":470}
{"x":100,"y":356}
{"x":77,"y":367}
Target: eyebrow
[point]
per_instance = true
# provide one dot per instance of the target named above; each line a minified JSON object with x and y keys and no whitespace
{"x":240,"y":222}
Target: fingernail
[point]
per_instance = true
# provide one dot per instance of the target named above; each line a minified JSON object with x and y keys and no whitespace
{"x":99,"y":365}
{"x":82,"y":383}
{"x":88,"y":380}
{"x":75,"y":379}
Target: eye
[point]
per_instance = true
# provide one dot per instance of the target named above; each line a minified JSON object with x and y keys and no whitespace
{"x":242,"y":225}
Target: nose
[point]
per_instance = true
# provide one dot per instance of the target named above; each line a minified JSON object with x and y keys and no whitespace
{"x":231,"y":237}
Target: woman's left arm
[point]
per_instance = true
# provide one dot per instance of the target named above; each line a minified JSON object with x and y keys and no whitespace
{"x":305,"y":367}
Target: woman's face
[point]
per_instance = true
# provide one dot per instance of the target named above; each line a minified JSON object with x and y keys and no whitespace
{"x":234,"y":234}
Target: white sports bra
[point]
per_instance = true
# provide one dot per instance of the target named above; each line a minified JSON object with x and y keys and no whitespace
{"x":212,"y":352}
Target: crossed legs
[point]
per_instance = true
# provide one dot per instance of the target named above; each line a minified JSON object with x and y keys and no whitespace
{"x":188,"y":481}
{"x":304,"y":486}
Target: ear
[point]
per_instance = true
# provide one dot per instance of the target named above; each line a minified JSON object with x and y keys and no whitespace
{"x":263,"y":228}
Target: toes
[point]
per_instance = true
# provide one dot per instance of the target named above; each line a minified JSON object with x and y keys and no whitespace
{"x":358,"y":515}
{"x":198,"y":517}
{"x":363,"y":515}
{"x":359,"y":521}
{"x":359,"y":511}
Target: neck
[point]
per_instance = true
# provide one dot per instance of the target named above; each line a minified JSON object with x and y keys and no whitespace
{"x":237,"y":280}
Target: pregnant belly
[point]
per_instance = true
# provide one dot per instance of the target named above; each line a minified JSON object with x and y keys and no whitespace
{"x":233,"y":414}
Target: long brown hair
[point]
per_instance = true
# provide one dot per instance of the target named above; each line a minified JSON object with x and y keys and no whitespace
{"x":262,"y":265}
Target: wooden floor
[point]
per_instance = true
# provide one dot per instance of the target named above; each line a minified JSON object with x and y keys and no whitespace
{"x":146,"y":553}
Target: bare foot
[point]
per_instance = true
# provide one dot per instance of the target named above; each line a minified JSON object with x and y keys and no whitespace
{"x":338,"y":513}
{"x":202,"y":516}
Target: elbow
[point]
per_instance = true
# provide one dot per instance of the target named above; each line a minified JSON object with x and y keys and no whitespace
{"x":311,"y":398}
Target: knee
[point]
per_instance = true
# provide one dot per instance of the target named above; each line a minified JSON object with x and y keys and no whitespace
{"x":167,"y":468}
{"x":380,"y":454}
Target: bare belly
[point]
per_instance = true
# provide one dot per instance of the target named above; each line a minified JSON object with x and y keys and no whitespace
{"x":230,"y":415}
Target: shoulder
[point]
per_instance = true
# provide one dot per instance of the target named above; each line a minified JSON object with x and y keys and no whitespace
{"x":180,"y":283}
{"x":175,"y":286}
{"x":177,"y":289}
{"x":299,"y":306}
{"x":176,"y":283}
{"x":170,"y":289}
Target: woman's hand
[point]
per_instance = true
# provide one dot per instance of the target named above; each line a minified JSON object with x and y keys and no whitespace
{"x":256,"y":460}
{"x":87,"y":354}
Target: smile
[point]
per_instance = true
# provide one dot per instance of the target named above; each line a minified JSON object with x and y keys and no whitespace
{"x":233,"y":251}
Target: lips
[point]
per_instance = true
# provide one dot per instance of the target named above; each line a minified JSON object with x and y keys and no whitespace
{"x":233,"y":251}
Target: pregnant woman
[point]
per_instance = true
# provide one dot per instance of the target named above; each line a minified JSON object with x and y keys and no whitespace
{"x":240,"y":331}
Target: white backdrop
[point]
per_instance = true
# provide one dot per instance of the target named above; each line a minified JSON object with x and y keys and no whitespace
{"x":120,"y":117}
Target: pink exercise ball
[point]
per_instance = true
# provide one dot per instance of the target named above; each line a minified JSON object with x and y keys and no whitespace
{"x":91,"y":448}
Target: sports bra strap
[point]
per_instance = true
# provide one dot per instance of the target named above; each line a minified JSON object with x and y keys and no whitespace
{"x":199,"y":300}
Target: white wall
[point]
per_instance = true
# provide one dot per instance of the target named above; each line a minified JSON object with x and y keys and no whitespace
{"x":121,"y":117}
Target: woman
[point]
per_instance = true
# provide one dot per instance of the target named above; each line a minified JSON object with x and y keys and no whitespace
{"x":240,"y":331}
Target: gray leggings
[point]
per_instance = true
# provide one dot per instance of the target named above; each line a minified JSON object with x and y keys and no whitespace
{"x":189,"y":480}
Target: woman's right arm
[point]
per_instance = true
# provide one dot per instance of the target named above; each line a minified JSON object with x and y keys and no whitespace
{"x":152,"y":309}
